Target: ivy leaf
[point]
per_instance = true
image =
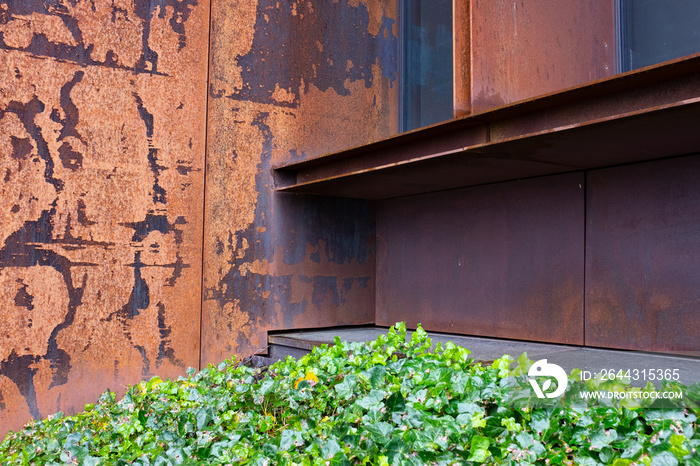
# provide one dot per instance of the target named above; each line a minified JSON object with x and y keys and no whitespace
{"x":330,"y":448}
{"x":176,"y":455}
{"x":632,"y":450}
{"x":540,"y":421}
{"x":91,"y":461}
{"x":665,"y":458}
{"x":677,"y":445}
{"x":459,"y":382}
{"x":693,"y":392}
{"x":585,"y":421}
{"x":195,"y":396}
{"x":376,"y":376}
{"x":479,"y":449}
{"x":373,"y":401}
{"x":585,"y":461}
{"x":419,"y":337}
{"x":622,"y":462}
{"x":266,"y":386}
{"x":203,"y":417}
{"x":395,"y":402}
{"x":524,"y":439}
{"x":286,"y":439}
{"x":419,"y":396}
{"x":662,"y":414}
{"x":345,"y":388}
{"x":161,"y":461}
{"x":414,"y":417}
{"x":602,"y":438}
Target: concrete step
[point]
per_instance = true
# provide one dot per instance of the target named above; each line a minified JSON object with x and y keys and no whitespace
{"x":646,"y":366}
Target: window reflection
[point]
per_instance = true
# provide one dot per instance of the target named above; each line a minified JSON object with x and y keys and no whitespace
{"x":427,"y":62}
{"x":654,"y":31}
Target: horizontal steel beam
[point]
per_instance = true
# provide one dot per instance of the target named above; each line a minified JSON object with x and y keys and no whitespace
{"x":646,"y":114}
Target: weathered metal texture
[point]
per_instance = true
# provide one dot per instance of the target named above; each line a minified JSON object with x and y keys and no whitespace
{"x":288,"y":81}
{"x":526,"y":48}
{"x":500,"y":260}
{"x":643,"y":256}
{"x":461,"y":29}
{"x":672,"y":84}
{"x":635,"y":117}
{"x":101,"y":181}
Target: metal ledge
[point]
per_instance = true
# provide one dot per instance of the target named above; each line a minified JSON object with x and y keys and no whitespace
{"x":297,"y":343}
{"x":642,"y":115}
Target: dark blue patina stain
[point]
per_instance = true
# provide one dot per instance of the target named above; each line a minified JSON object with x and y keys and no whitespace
{"x":315,"y":47}
{"x":344,"y":227}
{"x":249,"y":289}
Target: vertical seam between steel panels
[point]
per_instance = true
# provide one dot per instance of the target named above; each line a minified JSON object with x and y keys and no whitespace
{"x":204,"y":185}
{"x":585,"y":252}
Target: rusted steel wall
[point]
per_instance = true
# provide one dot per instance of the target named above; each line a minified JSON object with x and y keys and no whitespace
{"x":102,"y":127}
{"x":643,"y":256}
{"x":503,"y":260}
{"x":461,"y":30}
{"x":290,"y":80}
{"x":525,"y":48}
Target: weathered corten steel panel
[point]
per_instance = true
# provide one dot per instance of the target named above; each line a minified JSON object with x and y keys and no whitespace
{"x":102,"y":122}
{"x":525,"y":48}
{"x":290,"y":80}
{"x":643,"y":256}
{"x":501,"y":260}
{"x":461,"y":30}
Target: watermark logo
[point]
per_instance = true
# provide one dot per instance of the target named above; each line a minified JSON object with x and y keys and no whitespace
{"x":542,"y":368}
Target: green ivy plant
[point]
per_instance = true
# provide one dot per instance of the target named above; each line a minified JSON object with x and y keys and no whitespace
{"x":386,"y":402}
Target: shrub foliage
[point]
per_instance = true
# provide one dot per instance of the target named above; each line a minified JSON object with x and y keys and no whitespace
{"x":387,"y":402}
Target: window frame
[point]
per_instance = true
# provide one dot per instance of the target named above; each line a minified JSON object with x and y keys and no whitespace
{"x":460,"y":64}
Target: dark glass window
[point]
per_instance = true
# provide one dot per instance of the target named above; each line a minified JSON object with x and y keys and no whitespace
{"x":654,"y":31}
{"x":427,"y":62}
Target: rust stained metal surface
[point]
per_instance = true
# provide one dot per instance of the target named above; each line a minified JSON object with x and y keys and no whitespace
{"x":461,"y":27}
{"x":669,"y":84}
{"x":527,"y":48}
{"x":643,"y":256}
{"x":101,"y":178}
{"x":500,"y":260}
{"x":290,"y":81}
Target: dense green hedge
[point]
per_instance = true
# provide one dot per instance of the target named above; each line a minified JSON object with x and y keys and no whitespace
{"x":384,"y":402}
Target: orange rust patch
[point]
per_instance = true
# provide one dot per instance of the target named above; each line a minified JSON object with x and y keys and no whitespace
{"x":19,"y":32}
{"x":233,"y":30}
{"x":101,"y":163}
{"x":327,"y":122}
{"x":110,"y":28}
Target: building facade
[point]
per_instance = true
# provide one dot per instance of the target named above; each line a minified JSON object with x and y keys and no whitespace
{"x":180,"y":177}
